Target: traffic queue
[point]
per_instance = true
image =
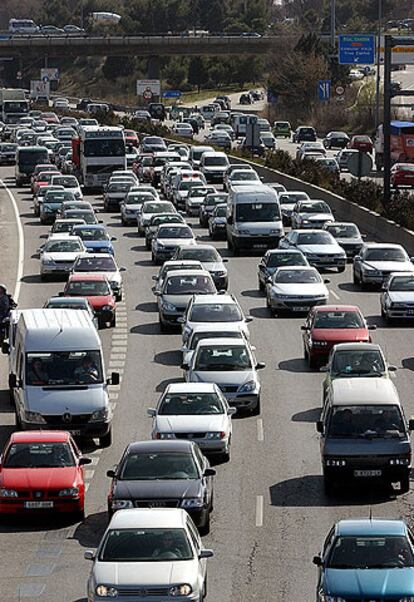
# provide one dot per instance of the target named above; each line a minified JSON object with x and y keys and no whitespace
{"x":59,"y":386}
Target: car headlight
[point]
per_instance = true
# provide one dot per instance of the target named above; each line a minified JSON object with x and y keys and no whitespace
{"x":305,"y":221}
{"x":34,"y":418}
{"x":220,"y":273}
{"x":106,"y":591}
{"x":215,"y":435}
{"x":192,"y":502}
{"x":183,"y":589}
{"x":248,"y":387}
{"x":47,"y":261}
{"x":100,"y":415}
{"x":165,"y":436}
{"x":168,"y":306}
{"x":368,"y":268}
{"x":246,"y":232}
{"x":69,"y":492}
{"x":274,"y":231}
{"x":107,"y":308}
{"x":407,"y":599}
{"x":8,"y":493}
{"x":400,"y":461}
{"x":335,"y":462}
{"x":121,"y":504}
{"x":158,"y":244}
{"x":279,"y":296}
{"x":318,"y":343}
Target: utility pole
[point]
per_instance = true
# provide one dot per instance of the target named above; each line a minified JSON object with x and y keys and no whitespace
{"x":333,"y":23}
{"x":388,"y":46}
{"x":378,"y":75}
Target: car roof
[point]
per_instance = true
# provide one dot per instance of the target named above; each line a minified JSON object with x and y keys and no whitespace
{"x":163,"y":446}
{"x":383,"y":245}
{"x":326,"y":308}
{"x":371,"y":527}
{"x":188,"y":273}
{"x":364,"y":390}
{"x":215,"y":326}
{"x":191,"y":388}
{"x":150,"y":518}
{"x":283,"y":251}
{"x":58,"y":237}
{"x":357,"y":347}
{"x":214,"y":298}
{"x":222,"y":342}
{"x":66,"y":300}
{"x":178,"y":262}
{"x":39,"y":436}
{"x":86,"y":276}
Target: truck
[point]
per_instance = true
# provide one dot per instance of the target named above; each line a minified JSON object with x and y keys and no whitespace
{"x":13,"y":105}
{"x":96,"y":152}
{"x":402,"y":143}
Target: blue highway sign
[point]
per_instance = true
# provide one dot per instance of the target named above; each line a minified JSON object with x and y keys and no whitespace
{"x":356,"y":49}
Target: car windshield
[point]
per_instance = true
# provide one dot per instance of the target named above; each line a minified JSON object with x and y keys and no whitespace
{"x":343,"y":231}
{"x":39,"y":455}
{"x":88,"y":216}
{"x":198,"y":191}
{"x":188,"y":285}
{"x":67,"y":303}
{"x":338,"y":319}
{"x":291,"y":198}
{"x":136,"y":198}
{"x":257,"y":212}
{"x":158,"y":207}
{"x":66,"y":181}
{"x":215,"y":312}
{"x":95,"y":264}
{"x":277,"y":260}
{"x":153,"y":466}
{"x":64,"y":226}
{"x":308,"y":276}
{"x":57,"y":197}
{"x":402,"y":283}
{"x":91,"y":233}
{"x":62,"y":246}
{"x":88,"y":288}
{"x":191,"y":403}
{"x":119,"y":187}
{"x":174,"y":218}
{"x":227,"y":358}
{"x":359,"y":362}
{"x":220,"y":212}
{"x":174,"y":232}
{"x":314,"y":208}
{"x":63,"y":368}
{"x":199,"y":336}
{"x":371,"y":552}
{"x":244,"y":175}
{"x":200,"y":254}
{"x":405,"y":167}
{"x":188,"y":184}
{"x":314,"y":238}
{"x":215,"y":199}
{"x":220,"y":161}
{"x":145,"y":545}
{"x":385,"y":254}
{"x":367,"y":421}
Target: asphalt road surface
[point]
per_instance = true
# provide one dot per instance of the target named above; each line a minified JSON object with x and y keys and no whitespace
{"x":270,"y":513}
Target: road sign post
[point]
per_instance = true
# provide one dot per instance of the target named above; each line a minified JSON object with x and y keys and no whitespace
{"x":359,"y":165}
{"x":324,"y":89}
{"x":356,"y":49}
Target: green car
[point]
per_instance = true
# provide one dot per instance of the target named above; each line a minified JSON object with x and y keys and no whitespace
{"x":282,"y":128}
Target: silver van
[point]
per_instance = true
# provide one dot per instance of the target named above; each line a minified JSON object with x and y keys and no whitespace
{"x":254,"y":219}
{"x":57,"y":374}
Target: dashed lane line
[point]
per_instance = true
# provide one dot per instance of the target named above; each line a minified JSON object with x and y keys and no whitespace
{"x":259,"y":511}
{"x":260,"y":432}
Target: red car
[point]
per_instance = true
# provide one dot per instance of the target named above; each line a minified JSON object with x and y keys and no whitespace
{"x":43,"y":179}
{"x":402,"y":174}
{"x":98,"y":291}
{"x":42,"y":471}
{"x":362,"y":143}
{"x":131,"y":138}
{"x":50,"y":117}
{"x":328,"y":325}
{"x":40,"y":168}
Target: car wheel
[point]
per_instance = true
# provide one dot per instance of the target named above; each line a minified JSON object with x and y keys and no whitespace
{"x":147,"y":244}
{"x":101,"y":323}
{"x":163,"y":326}
{"x":17,"y":420}
{"x":113,"y":321}
{"x":341,"y":269}
{"x":79,"y":516}
{"x":106,"y":440}
{"x":256,"y":410}
{"x":119,"y":296}
{"x":405,"y":484}
{"x":356,"y":280}
{"x":328,"y":485}
{"x":205,"y":527}
{"x":312,"y":362}
{"x":305,"y":353}
{"x":261,"y":285}
{"x":236,"y":250}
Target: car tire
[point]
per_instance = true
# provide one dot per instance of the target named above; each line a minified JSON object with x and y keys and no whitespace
{"x":147,"y":244}
{"x":101,"y":323}
{"x":328,"y":485}
{"x":261,"y":285}
{"x":355,"y":278}
{"x":163,"y":326}
{"x":305,"y":353}
{"x":341,"y":269}
{"x":106,"y":440}
{"x":17,"y":420}
{"x":78,"y":516}
{"x":204,"y":529}
{"x":113,"y":322}
{"x":312,"y":362}
{"x":405,"y":484}
{"x":257,"y":409}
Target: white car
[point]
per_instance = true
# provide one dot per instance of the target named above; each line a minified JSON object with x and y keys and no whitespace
{"x":167,"y":238}
{"x":296,"y":289}
{"x":170,"y":266}
{"x":147,"y":188}
{"x":125,"y":173}
{"x":183,"y":129}
{"x":101,"y":263}
{"x":195,"y":411}
{"x":59,"y":254}
{"x":156,"y":553}
{"x":195,"y":198}
{"x":69,"y":183}
{"x":151,"y":208}
{"x":311,"y":214}
{"x":376,"y":261}
{"x":243,"y":177}
{"x":397,"y":299}
{"x":209,"y":331}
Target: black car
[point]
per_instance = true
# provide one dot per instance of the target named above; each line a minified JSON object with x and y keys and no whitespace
{"x":245,"y":99}
{"x":157,"y":110}
{"x":304,"y":133}
{"x":83,"y":103}
{"x":336,"y":140}
{"x":163,"y":474}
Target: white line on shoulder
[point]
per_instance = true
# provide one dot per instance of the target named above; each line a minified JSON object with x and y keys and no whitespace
{"x":20,"y":261}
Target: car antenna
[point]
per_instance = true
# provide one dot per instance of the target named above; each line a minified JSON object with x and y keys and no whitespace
{"x":370,"y":513}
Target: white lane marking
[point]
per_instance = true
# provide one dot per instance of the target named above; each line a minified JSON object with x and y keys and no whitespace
{"x":117,"y":356}
{"x":119,"y":337}
{"x":259,"y":511}
{"x":335,"y":294}
{"x":20,"y":261}
{"x":89,"y":474}
{"x":260,"y":433}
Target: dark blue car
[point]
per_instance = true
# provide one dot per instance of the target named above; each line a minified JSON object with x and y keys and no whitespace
{"x":95,"y":238}
{"x":366,"y":560}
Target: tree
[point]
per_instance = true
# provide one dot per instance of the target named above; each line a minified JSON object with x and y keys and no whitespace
{"x":197,"y":72}
{"x":175,"y":72}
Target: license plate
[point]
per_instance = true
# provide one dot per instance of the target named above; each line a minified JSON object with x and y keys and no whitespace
{"x":75,"y":433}
{"x":367,"y":473}
{"x":300,"y":308}
{"x":260,"y":246}
{"x":38,"y":505}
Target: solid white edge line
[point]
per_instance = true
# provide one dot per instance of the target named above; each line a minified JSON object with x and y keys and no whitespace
{"x":259,"y":511}
{"x":260,"y":433}
{"x":335,"y":295}
{"x":20,"y":261}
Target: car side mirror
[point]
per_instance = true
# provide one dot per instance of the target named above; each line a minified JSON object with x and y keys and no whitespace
{"x":319,"y":426}
{"x":209,"y":472}
{"x":61,"y":294}
{"x":180,"y":320}
{"x":392,"y":368}
{"x":411,"y":424}
{"x":357,"y":258}
{"x":83,"y":461}
{"x":114,"y":380}
{"x":260,"y":365}
{"x":12,"y":381}
{"x":184,"y":366}
{"x":5,"y":348}
{"x":231,"y":411}
{"x":157,"y":293}
{"x":151,"y":411}
{"x":305,"y":328}
{"x":372,"y":327}
{"x":248,"y":319}
{"x":110,"y":473}
{"x":205,"y":554}
{"x":89,"y":555}
{"x":113,"y":238}
{"x":317,"y":560}
{"x":155,"y":278}
{"x":122,"y":269}
{"x":323,"y":369}
{"x":225,"y":260}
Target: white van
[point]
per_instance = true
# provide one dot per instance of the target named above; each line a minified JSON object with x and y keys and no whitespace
{"x":57,"y":374}
{"x":24,"y":26}
{"x":254,"y":218}
{"x":213,"y":165}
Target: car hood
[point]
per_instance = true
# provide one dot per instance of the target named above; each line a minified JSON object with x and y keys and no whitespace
{"x":320,"y":249}
{"x":38,"y":478}
{"x":98,"y":244}
{"x":58,"y":400}
{"x":370,"y":583}
{"x":391,"y":266}
{"x":261,"y":227}
{"x":300,"y":289}
{"x":177,"y":300}
{"x":192,"y":424}
{"x":340,"y":335}
{"x":236,"y":377}
{"x":401,"y":296}
{"x":174,"y":242}
{"x":219,"y":220}
{"x":98,"y":301}
{"x":353,"y":446}
{"x":214,"y":266}
{"x":60,"y":256}
{"x":317,"y":217}
{"x":156,"y":489}
{"x":111,"y":276}
{"x":146,"y":573}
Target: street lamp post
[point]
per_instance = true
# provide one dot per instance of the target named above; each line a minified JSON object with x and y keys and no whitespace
{"x":378,"y":75}
{"x":333,"y":20}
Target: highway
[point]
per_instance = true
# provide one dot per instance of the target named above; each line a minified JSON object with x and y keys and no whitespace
{"x":270,"y":513}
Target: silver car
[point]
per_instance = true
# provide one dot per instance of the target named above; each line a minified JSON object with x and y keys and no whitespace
{"x":149,"y":554}
{"x":311,"y":214}
{"x":319,"y":247}
{"x":59,"y":254}
{"x":167,"y":238}
{"x":168,"y":266}
{"x":151,"y":208}
{"x":347,"y":234}
{"x":209,"y":331}
{"x":295,"y":289}
{"x":397,"y":299}
{"x":230,"y":364}
{"x":376,"y":261}
{"x":210,"y":259}
{"x":195,"y":411}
